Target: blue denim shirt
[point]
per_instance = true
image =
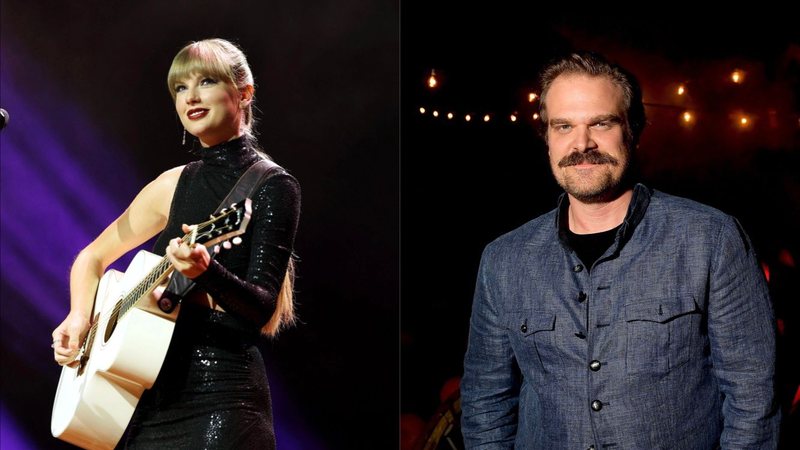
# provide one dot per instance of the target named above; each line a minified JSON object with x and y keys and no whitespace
{"x":667,"y":343}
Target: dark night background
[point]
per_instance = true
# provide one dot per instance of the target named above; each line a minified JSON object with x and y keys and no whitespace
{"x":465,"y":183}
{"x":92,"y":122}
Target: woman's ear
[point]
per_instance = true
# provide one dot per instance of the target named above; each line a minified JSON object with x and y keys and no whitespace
{"x":246,"y":93}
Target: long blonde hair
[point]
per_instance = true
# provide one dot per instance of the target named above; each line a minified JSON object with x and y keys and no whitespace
{"x":223,"y":60}
{"x":283,"y":317}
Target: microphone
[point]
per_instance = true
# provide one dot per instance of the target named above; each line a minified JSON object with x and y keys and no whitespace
{"x":3,"y":118}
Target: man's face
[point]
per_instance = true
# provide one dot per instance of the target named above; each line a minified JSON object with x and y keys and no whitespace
{"x":586,"y":136}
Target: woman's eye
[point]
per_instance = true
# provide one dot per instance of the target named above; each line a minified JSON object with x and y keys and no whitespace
{"x":180,"y":88}
{"x":207,"y":81}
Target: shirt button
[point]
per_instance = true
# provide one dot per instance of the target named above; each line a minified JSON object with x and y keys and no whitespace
{"x":595,"y":365}
{"x":582,"y":296}
{"x":597,"y":405}
{"x":523,"y":328}
{"x":577,"y":268}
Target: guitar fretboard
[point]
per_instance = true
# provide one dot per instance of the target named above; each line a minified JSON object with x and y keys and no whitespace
{"x":218,"y":228}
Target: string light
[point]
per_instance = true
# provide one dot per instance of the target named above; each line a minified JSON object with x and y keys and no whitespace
{"x":432,"y":81}
{"x":740,"y":119}
{"x":687,"y":118}
{"x":737,"y":76}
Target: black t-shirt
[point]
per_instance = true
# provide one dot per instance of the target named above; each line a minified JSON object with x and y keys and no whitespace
{"x":590,"y":247}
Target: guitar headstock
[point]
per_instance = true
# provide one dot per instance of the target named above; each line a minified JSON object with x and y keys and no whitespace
{"x":228,"y":223}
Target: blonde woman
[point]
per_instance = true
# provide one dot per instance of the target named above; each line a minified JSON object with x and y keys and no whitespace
{"x":212,"y":390}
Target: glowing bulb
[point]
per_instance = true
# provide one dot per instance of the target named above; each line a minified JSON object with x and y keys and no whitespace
{"x":486,"y":118}
{"x":432,"y":83}
{"x":687,"y":117}
{"x":535,"y":116}
{"x":743,"y":121}
{"x":422,"y":110}
{"x":435,"y":113}
{"x":467,"y":117}
{"x":449,"y":115}
{"x":513,"y":117}
{"x":737,"y":76}
{"x":681,"y":90}
{"x":532,"y":97}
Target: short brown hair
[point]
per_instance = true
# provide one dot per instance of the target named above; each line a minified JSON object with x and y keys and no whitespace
{"x":594,"y":65}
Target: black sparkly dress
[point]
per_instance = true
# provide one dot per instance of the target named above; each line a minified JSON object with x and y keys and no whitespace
{"x":212,"y":391}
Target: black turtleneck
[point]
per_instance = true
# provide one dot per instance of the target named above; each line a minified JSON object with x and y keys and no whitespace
{"x":245,"y":279}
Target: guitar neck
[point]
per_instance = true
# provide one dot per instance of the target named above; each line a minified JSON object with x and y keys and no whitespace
{"x":156,"y":277}
{"x":229,"y":223}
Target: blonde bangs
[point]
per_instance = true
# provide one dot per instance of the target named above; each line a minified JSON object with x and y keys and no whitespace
{"x":203,"y":58}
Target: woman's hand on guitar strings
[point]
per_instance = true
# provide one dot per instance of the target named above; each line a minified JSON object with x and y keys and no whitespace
{"x":190,"y":260}
{"x":68,"y":336}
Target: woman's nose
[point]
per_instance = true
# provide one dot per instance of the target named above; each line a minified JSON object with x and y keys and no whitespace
{"x":191,"y":96}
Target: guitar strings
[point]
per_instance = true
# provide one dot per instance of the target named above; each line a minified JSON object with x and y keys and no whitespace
{"x":164,"y":267}
{"x":154,"y":278}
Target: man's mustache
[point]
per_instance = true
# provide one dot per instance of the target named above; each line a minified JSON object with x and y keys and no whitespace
{"x":590,"y":157}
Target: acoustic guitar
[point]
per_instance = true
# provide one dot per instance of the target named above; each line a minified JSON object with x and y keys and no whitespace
{"x":127,"y":341}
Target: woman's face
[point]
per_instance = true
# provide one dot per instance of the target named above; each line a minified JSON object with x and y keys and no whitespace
{"x":208,"y":108}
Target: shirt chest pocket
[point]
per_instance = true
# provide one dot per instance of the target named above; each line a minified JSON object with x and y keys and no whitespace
{"x":662,"y":334}
{"x":533,"y":335}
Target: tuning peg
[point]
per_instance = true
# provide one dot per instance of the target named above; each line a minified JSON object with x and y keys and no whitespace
{"x":216,"y":249}
{"x":227,"y":245}
{"x":237,"y":240}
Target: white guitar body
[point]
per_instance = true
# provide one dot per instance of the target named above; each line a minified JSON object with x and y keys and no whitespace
{"x":93,"y":406}
{"x":127,"y":341}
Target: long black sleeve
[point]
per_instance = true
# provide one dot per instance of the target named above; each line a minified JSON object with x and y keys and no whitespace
{"x":276,"y":211}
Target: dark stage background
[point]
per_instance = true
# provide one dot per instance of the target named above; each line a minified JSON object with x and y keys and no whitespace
{"x":465,"y":183}
{"x":92,"y":122}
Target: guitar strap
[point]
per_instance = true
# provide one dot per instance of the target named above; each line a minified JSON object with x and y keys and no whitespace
{"x":179,"y":286}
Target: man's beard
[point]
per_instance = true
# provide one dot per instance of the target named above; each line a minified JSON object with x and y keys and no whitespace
{"x":602,"y":190}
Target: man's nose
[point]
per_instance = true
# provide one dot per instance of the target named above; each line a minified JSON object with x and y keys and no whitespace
{"x":583,"y":140}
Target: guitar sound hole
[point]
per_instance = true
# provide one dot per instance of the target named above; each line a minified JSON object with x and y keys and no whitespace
{"x":112,"y":324}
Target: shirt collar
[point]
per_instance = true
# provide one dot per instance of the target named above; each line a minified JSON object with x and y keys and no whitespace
{"x":636,"y":209}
